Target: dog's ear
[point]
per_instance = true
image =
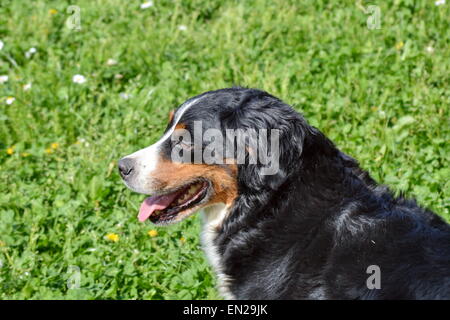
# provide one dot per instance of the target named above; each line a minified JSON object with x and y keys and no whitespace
{"x":271,"y":157}
{"x":280,"y":133}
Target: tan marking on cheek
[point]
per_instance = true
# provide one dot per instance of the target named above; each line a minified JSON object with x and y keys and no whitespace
{"x":180,"y":126}
{"x":224,"y":184}
{"x":170,"y":175}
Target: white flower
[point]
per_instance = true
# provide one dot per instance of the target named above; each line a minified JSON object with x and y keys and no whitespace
{"x":124,"y":95}
{"x":147,"y":4}
{"x":1,"y":44}
{"x":10,"y":100}
{"x":4,"y":78}
{"x":78,"y":78}
{"x":439,"y":2}
{"x":26,"y":86}
{"x":429,"y":49}
{"x":30,"y":52}
{"x":182,"y":28}
{"x":82,"y":141}
{"x":118,"y":76}
{"x":111,"y":62}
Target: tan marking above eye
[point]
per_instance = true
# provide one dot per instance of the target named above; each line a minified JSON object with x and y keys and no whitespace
{"x":171,"y":114}
{"x":180,"y":126}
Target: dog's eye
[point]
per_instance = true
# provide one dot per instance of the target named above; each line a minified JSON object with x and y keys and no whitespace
{"x":186,"y":145}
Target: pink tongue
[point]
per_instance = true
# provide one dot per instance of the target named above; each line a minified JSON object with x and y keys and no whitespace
{"x":151,"y":204}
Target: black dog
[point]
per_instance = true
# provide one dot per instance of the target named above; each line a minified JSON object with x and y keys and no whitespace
{"x":317,"y":227}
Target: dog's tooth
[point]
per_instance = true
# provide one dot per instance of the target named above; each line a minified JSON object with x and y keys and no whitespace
{"x":192,"y":190}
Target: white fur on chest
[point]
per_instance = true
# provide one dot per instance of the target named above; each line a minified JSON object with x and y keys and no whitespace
{"x":212,"y":218}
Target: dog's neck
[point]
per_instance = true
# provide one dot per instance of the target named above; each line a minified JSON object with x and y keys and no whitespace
{"x":213,"y":218}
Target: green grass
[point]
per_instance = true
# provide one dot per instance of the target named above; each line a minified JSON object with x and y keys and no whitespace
{"x":383,"y":103}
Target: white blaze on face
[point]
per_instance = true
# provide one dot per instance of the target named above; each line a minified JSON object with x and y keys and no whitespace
{"x":146,"y":160}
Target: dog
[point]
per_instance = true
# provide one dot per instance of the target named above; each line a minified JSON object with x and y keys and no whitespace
{"x":316,"y":227}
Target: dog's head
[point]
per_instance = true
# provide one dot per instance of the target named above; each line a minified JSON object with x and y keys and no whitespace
{"x":217,"y":147}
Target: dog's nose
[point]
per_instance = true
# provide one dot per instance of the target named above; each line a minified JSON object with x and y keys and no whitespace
{"x":126,"y":166}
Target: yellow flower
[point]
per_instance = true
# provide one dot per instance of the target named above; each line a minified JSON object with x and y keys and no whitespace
{"x":399,"y":45}
{"x":10,"y":150}
{"x":112,"y":237}
{"x":53,"y":11}
{"x":55,"y":145}
{"x":182,"y":239}
{"x":2,"y":244}
{"x":49,"y":150}
{"x":153,"y":233}
{"x":25,"y":154}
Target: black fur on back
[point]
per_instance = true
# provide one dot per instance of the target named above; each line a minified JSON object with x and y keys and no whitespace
{"x":312,"y":230}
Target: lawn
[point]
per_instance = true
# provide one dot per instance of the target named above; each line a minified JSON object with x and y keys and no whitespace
{"x":380,"y":89}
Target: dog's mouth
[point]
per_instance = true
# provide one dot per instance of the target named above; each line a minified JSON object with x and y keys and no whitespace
{"x":174,"y":206}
